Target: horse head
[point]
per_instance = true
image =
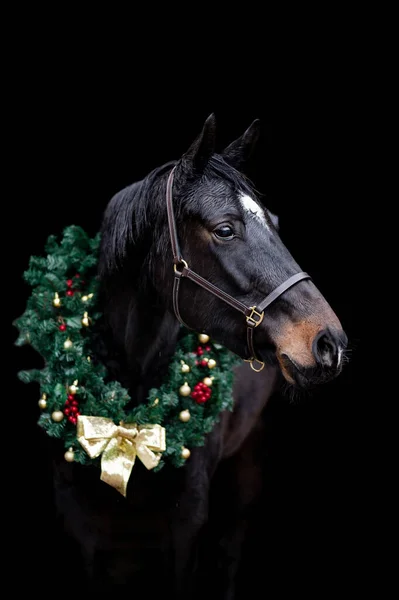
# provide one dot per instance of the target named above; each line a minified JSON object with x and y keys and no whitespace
{"x":229,"y":239}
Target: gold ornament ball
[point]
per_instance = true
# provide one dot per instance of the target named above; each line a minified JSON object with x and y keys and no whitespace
{"x":69,"y":455}
{"x":203,"y":338}
{"x":68,"y":344}
{"x":185,"y":416}
{"x":42,"y":403}
{"x":85,"y":320}
{"x":57,"y":416}
{"x":57,"y":300}
{"x":185,"y":453}
{"x":185,"y":390}
{"x":211,"y":363}
{"x":185,"y":368}
{"x":73,"y":388}
{"x":207,"y":381}
{"x":86,"y":298}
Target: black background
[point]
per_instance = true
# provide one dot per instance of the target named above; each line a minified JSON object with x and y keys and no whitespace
{"x":86,"y":133}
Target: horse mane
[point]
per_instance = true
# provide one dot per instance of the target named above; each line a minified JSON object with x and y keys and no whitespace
{"x":127,"y":217}
{"x":141,"y":207}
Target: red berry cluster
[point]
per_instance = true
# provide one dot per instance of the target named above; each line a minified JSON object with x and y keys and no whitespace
{"x":70,"y":283}
{"x":200,"y":352}
{"x":201,"y":392}
{"x":201,"y":363}
{"x":71,"y":409}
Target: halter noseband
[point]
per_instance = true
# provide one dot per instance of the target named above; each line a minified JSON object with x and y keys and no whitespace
{"x":253,"y":314}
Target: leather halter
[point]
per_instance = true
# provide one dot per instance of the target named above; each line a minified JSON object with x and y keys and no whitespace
{"x":253,"y":314}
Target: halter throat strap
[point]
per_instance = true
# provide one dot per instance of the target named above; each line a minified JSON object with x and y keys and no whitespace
{"x":253,"y":314}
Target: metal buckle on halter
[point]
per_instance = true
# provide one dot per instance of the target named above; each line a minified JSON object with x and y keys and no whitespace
{"x":250,"y":318}
{"x":251,"y":361}
{"x":183,"y":262}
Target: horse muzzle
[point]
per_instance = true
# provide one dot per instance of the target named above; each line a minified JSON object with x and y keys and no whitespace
{"x":321,"y":363}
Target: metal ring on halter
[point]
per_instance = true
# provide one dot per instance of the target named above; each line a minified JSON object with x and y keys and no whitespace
{"x":251,"y":361}
{"x":181,"y":261}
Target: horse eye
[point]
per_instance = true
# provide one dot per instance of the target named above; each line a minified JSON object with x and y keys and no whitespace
{"x":224,"y":232}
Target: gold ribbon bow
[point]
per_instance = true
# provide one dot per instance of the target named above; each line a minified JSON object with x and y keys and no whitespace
{"x":119,"y":445}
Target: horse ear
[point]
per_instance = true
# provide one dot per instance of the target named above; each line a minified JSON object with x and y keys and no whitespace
{"x":239,"y":151}
{"x":274,"y":220}
{"x":203,"y":147}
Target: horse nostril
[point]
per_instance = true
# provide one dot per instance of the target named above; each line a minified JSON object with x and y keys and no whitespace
{"x":326,"y":349}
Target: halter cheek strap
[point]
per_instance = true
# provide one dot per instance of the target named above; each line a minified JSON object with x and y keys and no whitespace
{"x":253,"y":314}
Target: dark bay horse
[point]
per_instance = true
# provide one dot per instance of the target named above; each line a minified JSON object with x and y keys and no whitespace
{"x":207,"y":217}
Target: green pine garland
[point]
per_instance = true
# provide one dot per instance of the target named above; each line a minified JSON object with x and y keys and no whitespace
{"x":57,"y":323}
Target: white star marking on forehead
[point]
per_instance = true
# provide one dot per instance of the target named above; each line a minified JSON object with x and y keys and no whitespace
{"x":253,"y":208}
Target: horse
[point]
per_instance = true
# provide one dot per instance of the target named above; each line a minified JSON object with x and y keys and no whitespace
{"x":193,"y":244}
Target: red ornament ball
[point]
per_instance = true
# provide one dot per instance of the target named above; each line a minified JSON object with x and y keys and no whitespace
{"x":203,"y":363}
{"x":69,"y":292}
{"x":69,"y":282}
{"x":71,"y":397}
{"x":62,"y":327}
{"x":200,"y":351}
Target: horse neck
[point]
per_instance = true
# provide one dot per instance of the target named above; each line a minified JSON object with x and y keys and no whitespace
{"x":142,"y":334}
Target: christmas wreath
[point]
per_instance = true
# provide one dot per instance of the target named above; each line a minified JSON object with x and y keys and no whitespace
{"x":78,"y":401}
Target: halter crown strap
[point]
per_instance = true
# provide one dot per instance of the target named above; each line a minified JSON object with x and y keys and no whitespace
{"x":177,"y":257}
{"x":253,"y":314}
